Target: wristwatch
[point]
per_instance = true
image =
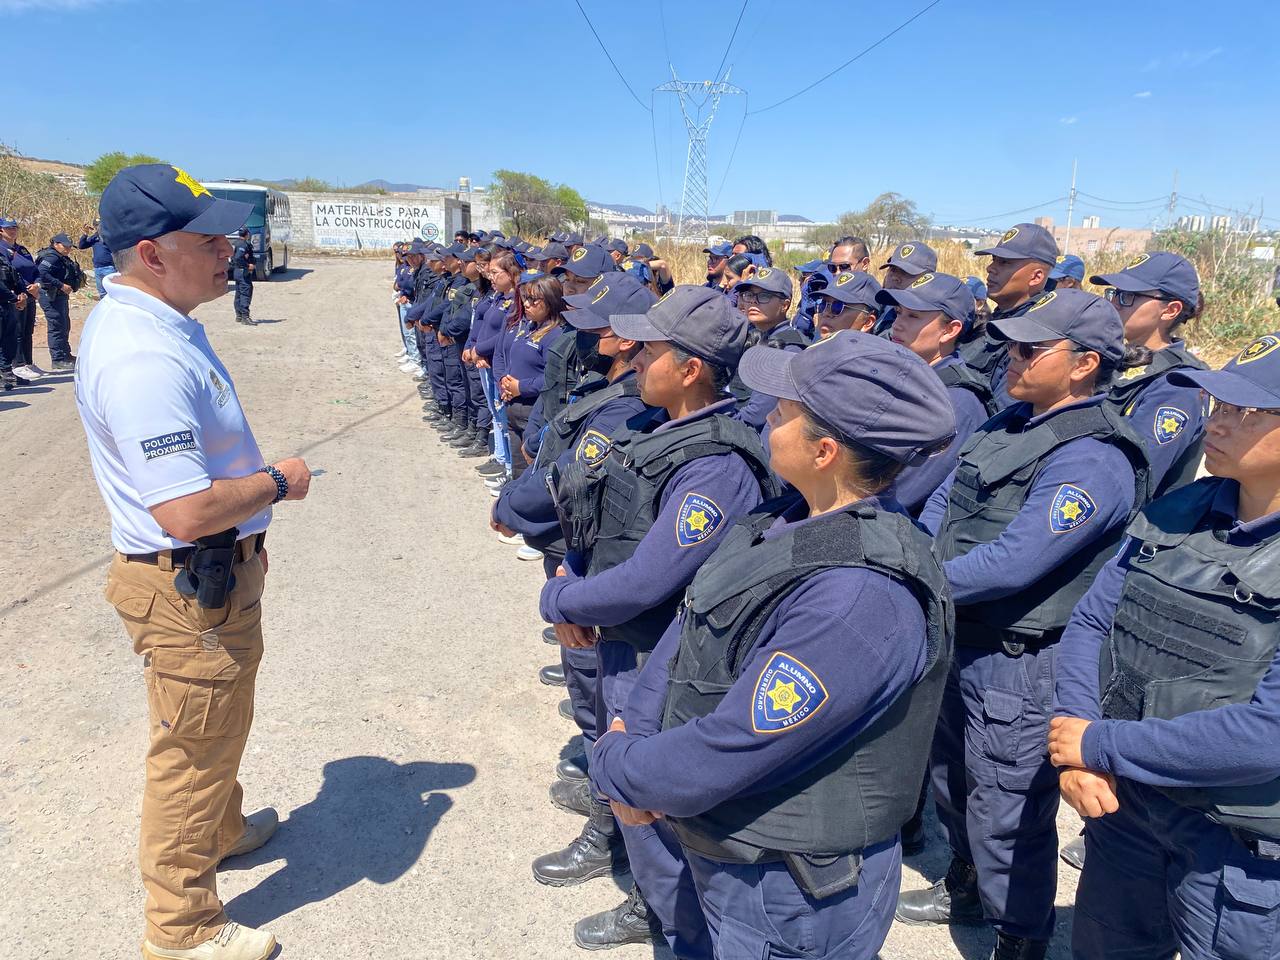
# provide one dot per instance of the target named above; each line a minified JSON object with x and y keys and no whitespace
{"x":282,"y":485}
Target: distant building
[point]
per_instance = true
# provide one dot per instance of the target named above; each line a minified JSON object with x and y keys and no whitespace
{"x":1091,"y":223}
{"x":746,"y":218}
{"x":1192,"y":224}
{"x":1093,"y":240}
{"x":1220,"y":222}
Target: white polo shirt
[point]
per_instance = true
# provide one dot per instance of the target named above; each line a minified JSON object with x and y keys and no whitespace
{"x":160,"y":413}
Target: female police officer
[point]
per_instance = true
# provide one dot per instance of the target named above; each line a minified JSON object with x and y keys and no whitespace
{"x":1036,"y":505}
{"x":1173,"y":752}
{"x":798,"y":690}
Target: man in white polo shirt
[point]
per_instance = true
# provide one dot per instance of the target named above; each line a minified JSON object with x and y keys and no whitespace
{"x":190,"y":501}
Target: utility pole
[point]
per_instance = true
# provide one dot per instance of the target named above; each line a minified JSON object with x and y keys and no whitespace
{"x":694,"y":200}
{"x":1071,"y":203}
{"x":1173,"y":199}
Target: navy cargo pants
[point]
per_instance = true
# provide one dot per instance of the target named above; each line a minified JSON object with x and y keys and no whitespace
{"x":1160,"y":878}
{"x":455,"y":379}
{"x":57,"y":314}
{"x":244,"y":290}
{"x":996,"y":793}
{"x":434,"y":364}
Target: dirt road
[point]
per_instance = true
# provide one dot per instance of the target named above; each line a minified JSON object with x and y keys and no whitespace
{"x":400,"y":728}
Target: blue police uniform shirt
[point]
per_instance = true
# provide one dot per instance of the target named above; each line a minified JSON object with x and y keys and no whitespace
{"x":759,"y":405}
{"x":1168,"y":418}
{"x":525,"y":504}
{"x":22,"y":261}
{"x":1032,"y":546}
{"x":858,"y":634}
{"x":492,"y":325}
{"x":1233,"y":744}
{"x":525,"y":358}
{"x":101,"y":255}
{"x":916,"y":484}
{"x":665,"y":560}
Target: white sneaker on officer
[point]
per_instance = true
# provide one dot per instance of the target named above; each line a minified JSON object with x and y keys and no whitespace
{"x":513,"y":539}
{"x":408,"y":366}
{"x":232,"y":942}
{"x":402,"y":355}
{"x":528,"y":553}
{"x":28,"y":372}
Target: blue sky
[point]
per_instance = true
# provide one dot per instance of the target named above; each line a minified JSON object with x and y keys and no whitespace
{"x":973,"y":110}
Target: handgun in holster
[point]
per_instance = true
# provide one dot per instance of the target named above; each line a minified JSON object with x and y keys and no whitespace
{"x":207,"y":574}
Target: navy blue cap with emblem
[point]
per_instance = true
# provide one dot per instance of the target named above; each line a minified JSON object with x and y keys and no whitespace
{"x":420,"y":247}
{"x":468,"y":255}
{"x":870,"y":390}
{"x":719,"y":249}
{"x":976,"y":287}
{"x":589,"y":260}
{"x":615,"y":293}
{"x":642,"y":252}
{"x":1250,"y":379}
{"x":933,"y":291}
{"x":855,"y":287}
{"x":61,"y":238}
{"x":7,"y":223}
{"x":148,"y":200}
{"x":618,"y":245}
{"x":1068,"y":265}
{"x":696,"y":318}
{"x":913,"y":258}
{"x":555,"y":250}
{"x":1024,"y":241}
{"x":813,"y":266}
{"x":529,"y":276}
{"x":1168,"y":273}
{"x":1076,"y":315}
{"x":770,"y":280}
{"x":572,"y":240}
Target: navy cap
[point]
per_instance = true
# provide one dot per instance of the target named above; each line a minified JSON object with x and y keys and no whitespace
{"x":587,"y":261}
{"x":933,"y":291}
{"x":61,"y":238}
{"x":770,"y":279}
{"x":437,"y":253}
{"x":976,"y":287}
{"x":1250,"y":379}
{"x":618,"y":245}
{"x":6,"y":223}
{"x":1025,"y":241}
{"x":555,"y":250}
{"x":558,"y":237}
{"x":813,"y":266}
{"x":420,"y":247}
{"x":1076,"y":315}
{"x":856,"y":287}
{"x":696,"y":318}
{"x":534,"y":253}
{"x":453,"y":250}
{"x":913,"y":258}
{"x":1068,"y":265}
{"x":497,"y":233}
{"x":719,"y":249}
{"x":872,"y":391}
{"x":1169,"y":273}
{"x":529,"y":276}
{"x":469,"y":255}
{"x":615,"y":293}
{"x":572,"y":240}
{"x":642,"y":252}
{"x":151,"y":199}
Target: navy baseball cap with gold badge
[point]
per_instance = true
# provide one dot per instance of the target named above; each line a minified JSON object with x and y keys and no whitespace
{"x":770,"y":280}
{"x":870,"y":390}
{"x":696,"y":318}
{"x":151,"y":199}
{"x":1250,"y":379}
{"x":615,"y":293}
{"x":589,"y":260}
{"x":933,"y":291}
{"x":1025,"y":241}
{"x":1163,"y":272}
{"x":1085,"y":319}
{"x":856,"y":287}
{"x":913,"y":258}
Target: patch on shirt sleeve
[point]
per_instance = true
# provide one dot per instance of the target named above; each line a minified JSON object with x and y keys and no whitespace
{"x":593,"y":447}
{"x":787,"y":694}
{"x":1071,"y":507}
{"x":167,"y":443}
{"x":697,"y":519}
{"x":1169,"y":423}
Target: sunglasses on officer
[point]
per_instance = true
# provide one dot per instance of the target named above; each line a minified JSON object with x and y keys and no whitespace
{"x":758,"y":297}
{"x":1127,"y":298}
{"x":1230,"y":412}
{"x":1026,"y":352}
{"x":833,"y":308}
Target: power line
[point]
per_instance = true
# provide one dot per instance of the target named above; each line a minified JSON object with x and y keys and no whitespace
{"x":657,"y":165}
{"x":732,"y":153}
{"x":609,"y":56}
{"x":1008,"y":213}
{"x":1163,"y":198}
{"x":856,"y":57}
{"x":662,"y":18}
{"x":720,"y":69}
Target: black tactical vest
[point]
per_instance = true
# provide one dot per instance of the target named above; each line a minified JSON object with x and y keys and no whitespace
{"x":1128,"y":387}
{"x":623,"y":494}
{"x":595,"y":391}
{"x":998,"y":466}
{"x":964,"y":376}
{"x":562,"y":371}
{"x":1196,"y":628}
{"x":783,"y":335}
{"x":867,"y":789}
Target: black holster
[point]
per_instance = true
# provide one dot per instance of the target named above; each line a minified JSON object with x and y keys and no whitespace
{"x":207,"y":573}
{"x":822,"y":877}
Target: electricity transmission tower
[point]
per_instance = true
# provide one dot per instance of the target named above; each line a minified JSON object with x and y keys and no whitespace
{"x":699,"y":101}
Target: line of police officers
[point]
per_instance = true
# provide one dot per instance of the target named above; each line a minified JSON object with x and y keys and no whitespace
{"x":793,"y":580}
{"x":48,"y":278}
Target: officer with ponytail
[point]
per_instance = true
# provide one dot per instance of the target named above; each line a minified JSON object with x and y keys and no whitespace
{"x":1168,"y":699}
{"x":782,"y":724}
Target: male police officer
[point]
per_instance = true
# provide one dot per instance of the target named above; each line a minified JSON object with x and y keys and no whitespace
{"x":242,"y":262}
{"x":103,"y":265}
{"x":1067,"y":273}
{"x":190,"y":500}
{"x":908,"y":261}
{"x":60,"y":276}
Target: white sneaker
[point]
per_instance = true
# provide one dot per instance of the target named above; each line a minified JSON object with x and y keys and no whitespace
{"x":528,"y":553}
{"x":402,"y":355}
{"x":514,"y":539}
{"x":409,"y":366}
{"x":232,"y":942}
{"x":38,"y":371}
{"x":495,"y":492}
{"x":28,"y":373}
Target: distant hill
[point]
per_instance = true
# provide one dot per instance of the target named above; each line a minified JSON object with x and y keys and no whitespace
{"x":372,"y":185}
{"x":792,"y":218}
{"x":629,"y":209}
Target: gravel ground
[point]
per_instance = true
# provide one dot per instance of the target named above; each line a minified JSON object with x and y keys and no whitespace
{"x":400,"y":728}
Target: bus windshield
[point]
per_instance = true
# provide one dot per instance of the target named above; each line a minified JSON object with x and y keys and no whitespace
{"x":258,"y":199}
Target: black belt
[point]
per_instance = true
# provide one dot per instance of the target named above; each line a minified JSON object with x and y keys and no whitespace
{"x":1261,"y":847}
{"x":180,"y":555}
{"x":970,"y":634}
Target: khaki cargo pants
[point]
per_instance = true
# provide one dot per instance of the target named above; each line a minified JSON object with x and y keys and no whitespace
{"x":199,"y":666}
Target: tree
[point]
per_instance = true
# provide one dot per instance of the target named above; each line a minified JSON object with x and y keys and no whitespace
{"x":887,"y":220}
{"x":99,"y":173}
{"x":534,"y":207}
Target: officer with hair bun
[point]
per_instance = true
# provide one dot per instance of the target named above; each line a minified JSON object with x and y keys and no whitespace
{"x":782,"y":724}
{"x":1168,"y":699}
{"x":1034,"y":508}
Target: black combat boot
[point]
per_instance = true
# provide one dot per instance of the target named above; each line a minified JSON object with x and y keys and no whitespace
{"x":445,"y":424}
{"x":572,"y":770}
{"x":552,"y":675}
{"x":1018,"y":948}
{"x":1073,"y":853}
{"x":458,"y":429}
{"x":630,"y":922}
{"x":953,"y":899}
{"x":479,"y":446}
{"x":432,"y":411}
{"x":466,"y":437}
{"x":596,"y":852}
{"x":572,"y":797}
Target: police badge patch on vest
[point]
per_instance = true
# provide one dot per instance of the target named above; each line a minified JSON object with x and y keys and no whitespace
{"x":698,"y":518}
{"x":592,"y":448}
{"x":1169,"y":423}
{"x":787,"y":694}
{"x":1071,"y":507}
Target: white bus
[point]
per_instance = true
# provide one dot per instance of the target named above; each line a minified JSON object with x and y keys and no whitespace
{"x":269,"y":224}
